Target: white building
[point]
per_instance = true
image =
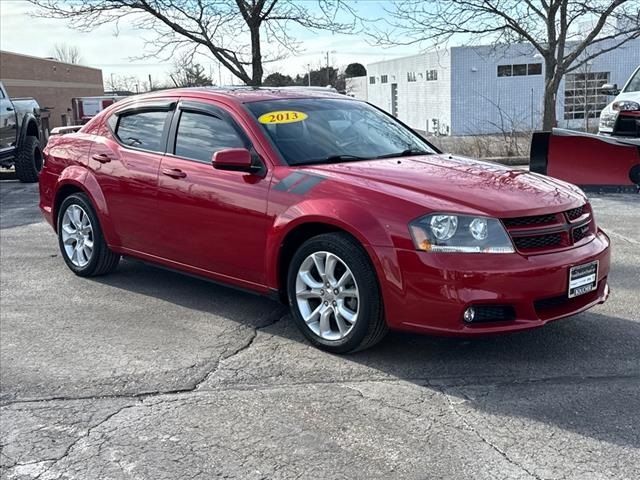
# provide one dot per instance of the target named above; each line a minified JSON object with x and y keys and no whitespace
{"x":489,"y":89}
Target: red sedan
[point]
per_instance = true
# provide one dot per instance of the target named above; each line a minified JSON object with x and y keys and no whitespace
{"x":325,"y":202}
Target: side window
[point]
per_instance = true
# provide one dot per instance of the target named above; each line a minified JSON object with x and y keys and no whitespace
{"x":199,"y":136}
{"x":142,"y":130}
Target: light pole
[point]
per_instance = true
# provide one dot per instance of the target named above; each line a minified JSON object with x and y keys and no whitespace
{"x":309,"y":73}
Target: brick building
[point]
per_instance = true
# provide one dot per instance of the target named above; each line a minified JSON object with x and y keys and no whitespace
{"x":52,"y":83}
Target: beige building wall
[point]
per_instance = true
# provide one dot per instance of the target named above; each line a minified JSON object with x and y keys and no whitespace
{"x":53,"y":84}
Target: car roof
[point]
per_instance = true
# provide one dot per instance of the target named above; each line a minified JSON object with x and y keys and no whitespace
{"x":246,"y":94}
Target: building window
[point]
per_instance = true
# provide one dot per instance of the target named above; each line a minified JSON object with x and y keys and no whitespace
{"x":505,"y":70}
{"x":372,"y":80}
{"x":534,"y":69}
{"x":411,"y":76}
{"x":384,"y":78}
{"x":582,"y":97}
{"x":432,"y":75}
{"x":519,"y":70}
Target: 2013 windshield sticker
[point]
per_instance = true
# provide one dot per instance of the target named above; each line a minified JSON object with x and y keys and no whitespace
{"x":282,"y":116}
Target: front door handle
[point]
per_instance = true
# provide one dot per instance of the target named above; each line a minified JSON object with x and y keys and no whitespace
{"x":101,"y":157}
{"x":173,"y":172}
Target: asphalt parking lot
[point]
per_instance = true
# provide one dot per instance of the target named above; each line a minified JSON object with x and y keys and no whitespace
{"x":146,"y":374}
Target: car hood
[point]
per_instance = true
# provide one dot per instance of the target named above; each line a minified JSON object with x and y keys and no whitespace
{"x":446,"y":182}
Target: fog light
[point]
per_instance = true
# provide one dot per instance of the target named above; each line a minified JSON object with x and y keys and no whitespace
{"x":469,"y":313}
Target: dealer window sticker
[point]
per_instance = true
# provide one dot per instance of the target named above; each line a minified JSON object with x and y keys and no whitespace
{"x":282,"y":116}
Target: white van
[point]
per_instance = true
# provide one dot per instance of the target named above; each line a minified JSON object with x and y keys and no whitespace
{"x":622,"y":116}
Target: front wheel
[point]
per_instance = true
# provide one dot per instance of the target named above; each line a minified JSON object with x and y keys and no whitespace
{"x":334,"y":294}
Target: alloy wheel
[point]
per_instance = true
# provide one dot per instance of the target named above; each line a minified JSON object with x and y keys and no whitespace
{"x":327,"y":295}
{"x":77,"y":235}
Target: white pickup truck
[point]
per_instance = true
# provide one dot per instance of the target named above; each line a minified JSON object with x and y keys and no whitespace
{"x":20,"y":136}
{"x":622,"y":116}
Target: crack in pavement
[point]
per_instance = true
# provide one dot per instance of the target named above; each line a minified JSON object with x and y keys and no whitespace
{"x":70,"y":447}
{"x":485,"y":440}
{"x":272,"y":319}
{"x":434,"y":382}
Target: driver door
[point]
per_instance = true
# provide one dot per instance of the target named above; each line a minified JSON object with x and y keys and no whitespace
{"x":214,"y":221}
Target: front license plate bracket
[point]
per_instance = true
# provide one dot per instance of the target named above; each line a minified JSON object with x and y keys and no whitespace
{"x":583,"y":279}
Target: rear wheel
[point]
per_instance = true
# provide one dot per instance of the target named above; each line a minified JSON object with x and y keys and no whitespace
{"x":80,"y":237}
{"x":334,"y":294}
{"x":28,"y":161}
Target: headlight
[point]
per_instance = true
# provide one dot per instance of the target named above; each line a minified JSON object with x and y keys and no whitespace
{"x":625,"y":105}
{"x":443,"y":232}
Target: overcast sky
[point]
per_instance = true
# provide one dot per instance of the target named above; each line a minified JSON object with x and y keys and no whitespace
{"x":20,"y":32}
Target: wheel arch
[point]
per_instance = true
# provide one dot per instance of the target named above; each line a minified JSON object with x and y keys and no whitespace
{"x":293,"y":234}
{"x":78,"y":179}
{"x":29,"y":128}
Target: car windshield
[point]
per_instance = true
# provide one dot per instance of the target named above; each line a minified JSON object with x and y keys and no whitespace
{"x":326,"y":130}
{"x":634,"y":83}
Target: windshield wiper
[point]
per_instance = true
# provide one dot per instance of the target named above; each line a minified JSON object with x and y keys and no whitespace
{"x":405,"y":153}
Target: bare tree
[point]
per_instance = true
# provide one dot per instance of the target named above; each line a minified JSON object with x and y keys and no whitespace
{"x":124,"y":83}
{"x":187,"y":73}
{"x":555,"y":28}
{"x":232,"y":31}
{"x":66,"y":53}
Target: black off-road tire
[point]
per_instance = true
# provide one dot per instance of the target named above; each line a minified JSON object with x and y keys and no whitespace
{"x":371,"y":326}
{"x":103,"y":260}
{"x":28,"y":161}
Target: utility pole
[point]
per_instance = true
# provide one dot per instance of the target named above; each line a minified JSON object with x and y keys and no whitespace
{"x":150,"y":84}
{"x":328,"y":76}
{"x":328,"y":71}
{"x":309,"y":73}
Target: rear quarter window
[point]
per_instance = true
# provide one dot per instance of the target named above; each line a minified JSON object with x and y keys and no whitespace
{"x":142,"y":130}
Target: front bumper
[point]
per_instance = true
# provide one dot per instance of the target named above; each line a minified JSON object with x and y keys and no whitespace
{"x":437,"y":288}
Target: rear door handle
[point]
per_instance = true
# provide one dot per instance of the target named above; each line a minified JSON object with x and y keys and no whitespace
{"x":173,"y":172}
{"x":101,"y":157}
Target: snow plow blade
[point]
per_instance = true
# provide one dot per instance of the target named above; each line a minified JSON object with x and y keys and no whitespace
{"x":593,"y":162}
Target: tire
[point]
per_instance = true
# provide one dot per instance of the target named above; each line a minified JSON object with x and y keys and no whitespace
{"x":308,"y":295}
{"x":28,"y":162}
{"x":101,"y":259}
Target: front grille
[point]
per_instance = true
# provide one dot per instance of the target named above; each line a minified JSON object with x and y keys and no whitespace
{"x":541,"y":241}
{"x":574,"y":213}
{"x":579,"y":233}
{"x":539,"y":233}
{"x":525,"y":221}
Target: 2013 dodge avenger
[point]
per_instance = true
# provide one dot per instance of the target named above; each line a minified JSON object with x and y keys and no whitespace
{"x":327,"y":203}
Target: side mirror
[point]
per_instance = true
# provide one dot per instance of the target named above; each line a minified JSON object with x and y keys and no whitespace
{"x":234,"y":159}
{"x":609,"y":89}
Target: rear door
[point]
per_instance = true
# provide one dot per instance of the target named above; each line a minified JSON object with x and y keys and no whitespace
{"x":213,"y":220}
{"x":126,"y":162}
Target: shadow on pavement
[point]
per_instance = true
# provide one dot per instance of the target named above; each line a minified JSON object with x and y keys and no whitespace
{"x":564,"y":374}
